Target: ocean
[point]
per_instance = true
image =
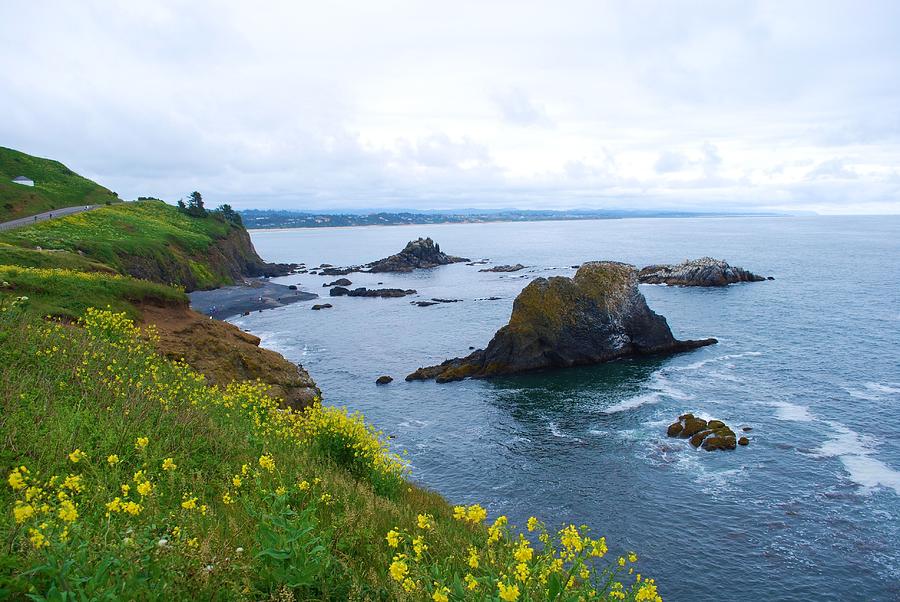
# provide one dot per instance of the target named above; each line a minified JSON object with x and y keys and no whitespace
{"x":810,"y":361}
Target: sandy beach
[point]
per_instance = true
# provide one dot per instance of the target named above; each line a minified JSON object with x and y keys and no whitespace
{"x":256,"y":295}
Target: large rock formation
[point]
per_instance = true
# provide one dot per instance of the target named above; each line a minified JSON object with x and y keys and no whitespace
{"x":705,"y":271}
{"x":419,"y":253}
{"x":597,"y":316}
{"x":504,"y":268}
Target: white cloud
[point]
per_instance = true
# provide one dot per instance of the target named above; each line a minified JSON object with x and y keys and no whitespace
{"x":715,"y":105}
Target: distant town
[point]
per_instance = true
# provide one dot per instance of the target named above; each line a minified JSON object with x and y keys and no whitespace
{"x":265,"y":218}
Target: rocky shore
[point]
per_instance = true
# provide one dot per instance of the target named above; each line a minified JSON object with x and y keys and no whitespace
{"x":340,"y":291}
{"x":705,"y":271}
{"x":596,"y":316}
{"x":255,"y":295}
{"x":504,"y":268}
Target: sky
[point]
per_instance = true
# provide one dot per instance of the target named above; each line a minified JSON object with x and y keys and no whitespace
{"x":692,"y":105}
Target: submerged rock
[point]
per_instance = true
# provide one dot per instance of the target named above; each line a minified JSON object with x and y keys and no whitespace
{"x":419,"y":253}
{"x":596,"y":316}
{"x":383,"y":380}
{"x":504,"y":268}
{"x":711,"y":435}
{"x":705,"y":271}
{"x":319,"y":306}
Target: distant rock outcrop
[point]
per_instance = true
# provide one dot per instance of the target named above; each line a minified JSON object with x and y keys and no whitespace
{"x":338,"y":282}
{"x":705,"y":271}
{"x":383,"y":380}
{"x":504,"y":268}
{"x":597,"y":316}
{"x":340,"y":291}
{"x":419,"y":253}
{"x":710,"y":435}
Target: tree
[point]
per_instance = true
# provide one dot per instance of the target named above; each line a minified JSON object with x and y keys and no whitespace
{"x":181,"y":205}
{"x":195,"y":205}
{"x":230,"y":214}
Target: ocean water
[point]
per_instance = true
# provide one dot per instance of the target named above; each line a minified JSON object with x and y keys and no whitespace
{"x":810,"y":360}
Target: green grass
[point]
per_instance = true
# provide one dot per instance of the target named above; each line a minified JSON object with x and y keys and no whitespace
{"x":148,"y":239}
{"x":55,"y":186}
{"x":69,"y":293}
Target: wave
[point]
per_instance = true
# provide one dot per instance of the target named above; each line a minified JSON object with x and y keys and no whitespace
{"x":855,"y":453}
{"x":792,"y":412}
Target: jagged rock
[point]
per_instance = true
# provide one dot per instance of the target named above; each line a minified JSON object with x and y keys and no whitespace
{"x":319,"y":306}
{"x":705,"y":271}
{"x":339,"y":271}
{"x":383,"y":380}
{"x":339,"y":282}
{"x":504,"y":268}
{"x":419,"y":253}
{"x":438,"y":300}
{"x":711,"y":435}
{"x":362,"y":291}
{"x":599,"y":315}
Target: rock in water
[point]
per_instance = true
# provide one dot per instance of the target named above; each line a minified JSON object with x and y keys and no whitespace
{"x":420,"y":253}
{"x":711,"y":435}
{"x":383,"y":380}
{"x":597,"y":316}
{"x":504,"y":268}
{"x":705,"y":271}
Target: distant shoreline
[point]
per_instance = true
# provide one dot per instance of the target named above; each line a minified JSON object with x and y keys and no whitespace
{"x":255,"y":228}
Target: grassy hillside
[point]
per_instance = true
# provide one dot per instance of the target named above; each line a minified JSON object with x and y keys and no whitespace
{"x":127,"y":477}
{"x":55,"y":186}
{"x":145,"y":239}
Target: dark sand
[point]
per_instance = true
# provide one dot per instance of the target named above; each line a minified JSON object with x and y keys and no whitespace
{"x":256,"y":295}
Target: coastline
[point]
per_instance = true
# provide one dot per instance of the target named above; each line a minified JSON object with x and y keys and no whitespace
{"x":254,"y":295}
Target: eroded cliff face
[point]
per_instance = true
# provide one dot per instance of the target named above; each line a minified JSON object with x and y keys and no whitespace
{"x":223,"y":353}
{"x":597,"y":316}
{"x":226,"y":261}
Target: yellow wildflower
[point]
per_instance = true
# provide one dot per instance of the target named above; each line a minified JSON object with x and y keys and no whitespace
{"x":473,"y":557}
{"x":126,"y":488}
{"x":475,"y":514}
{"x":280,"y":490}
{"x":459,"y":512}
{"x":115,"y":505}
{"x":471,"y":582}
{"x":398,"y":569}
{"x":268,"y":462}
{"x":67,"y":511}
{"x":509,"y":593}
{"x":632,"y":557}
{"x":77,"y":456}
{"x":419,"y":546}
{"x":440,"y":593}
{"x":409,"y":585}
{"x":16,"y":479}
{"x":140,"y":443}
{"x":425,"y":521}
{"x":621,"y":561}
{"x":304,"y":485}
{"x":226,"y":498}
{"x":112,"y":459}
{"x":37,"y":539}
{"x":23,"y":512}
{"x":132,"y":508}
{"x":189,"y":504}
{"x":598,"y":547}
{"x":393,"y":538}
{"x":236,"y":481}
{"x":169,"y":464}
{"x":523,"y":552}
{"x":532,"y":523}
{"x":522,"y":572}
{"x":145,"y":488}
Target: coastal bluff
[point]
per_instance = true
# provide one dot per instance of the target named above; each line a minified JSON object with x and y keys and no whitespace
{"x":599,"y":315}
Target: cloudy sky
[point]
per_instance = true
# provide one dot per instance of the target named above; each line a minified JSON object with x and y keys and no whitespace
{"x":782,"y":105}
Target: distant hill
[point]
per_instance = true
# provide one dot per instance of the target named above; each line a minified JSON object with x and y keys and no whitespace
{"x":55,"y":186}
{"x":273,"y":218}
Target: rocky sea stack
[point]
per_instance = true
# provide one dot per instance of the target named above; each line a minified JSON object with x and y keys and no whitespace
{"x":419,"y":253}
{"x":705,"y":271}
{"x":596,"y":316}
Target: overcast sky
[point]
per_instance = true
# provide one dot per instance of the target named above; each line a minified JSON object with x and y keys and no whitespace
{"x":781,"y":105}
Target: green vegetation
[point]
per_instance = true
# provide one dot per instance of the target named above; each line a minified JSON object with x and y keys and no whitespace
{"x":55,"y":186}
{"x":147,"y":239}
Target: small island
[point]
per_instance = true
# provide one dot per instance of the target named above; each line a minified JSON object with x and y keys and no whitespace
{"x":705,"y":271}
{"x":421,"y":253}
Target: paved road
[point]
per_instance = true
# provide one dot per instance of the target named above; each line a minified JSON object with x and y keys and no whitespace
{"x":40,"y":217}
